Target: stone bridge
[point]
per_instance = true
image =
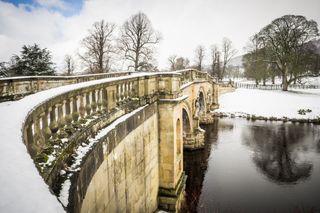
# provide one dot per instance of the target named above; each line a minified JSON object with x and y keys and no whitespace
{"x":116,"y":144}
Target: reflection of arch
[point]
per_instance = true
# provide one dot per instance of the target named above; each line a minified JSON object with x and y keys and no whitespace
{"x":178,"y":137}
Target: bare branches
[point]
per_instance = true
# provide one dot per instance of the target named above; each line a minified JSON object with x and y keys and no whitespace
{"x":228,"y":52}
{"x":99,"y":47}
{"x":215,"y":61}
{"x":137,"y":40}
{"x":178,"y":63}
{"x":199,"y":56}
{"x":172,"y":61}
{"x":69,"y":64}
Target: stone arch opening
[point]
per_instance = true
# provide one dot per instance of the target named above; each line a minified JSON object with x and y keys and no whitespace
{"x":178,"y":137}
{"x":186,"y":122}
{"x":200,"y":104}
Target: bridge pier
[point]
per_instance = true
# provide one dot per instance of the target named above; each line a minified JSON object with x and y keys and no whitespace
{"x":171,"y":175}
{"x":195,"y":139}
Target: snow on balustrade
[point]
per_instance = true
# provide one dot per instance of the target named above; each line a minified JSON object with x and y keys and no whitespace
{"x":19,"y":177}
{"x":49,"y":117}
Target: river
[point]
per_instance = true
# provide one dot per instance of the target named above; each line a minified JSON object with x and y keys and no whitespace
{"x":255,"y":167}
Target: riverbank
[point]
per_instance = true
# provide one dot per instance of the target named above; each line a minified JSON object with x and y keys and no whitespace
{"x":295,"y":105}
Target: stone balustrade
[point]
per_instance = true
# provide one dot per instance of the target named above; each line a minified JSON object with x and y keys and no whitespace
{"x":16,"y":87}
{"x":52,"y":126}
{"x":54,"y":129}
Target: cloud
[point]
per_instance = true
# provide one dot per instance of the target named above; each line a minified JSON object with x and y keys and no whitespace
{"x":52,"y":4}
{"x":184,"y":24}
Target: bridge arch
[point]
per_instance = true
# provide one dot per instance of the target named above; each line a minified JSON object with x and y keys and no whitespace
{"x":200,"y":103}
{"x":186,"y":118}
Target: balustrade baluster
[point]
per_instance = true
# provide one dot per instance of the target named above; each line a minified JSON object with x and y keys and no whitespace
{"x":99,"y":99}
{"x":61,"y":120}
{"x":118,"y":93}
{"x":45,"y":127}
{"x":68,"y":116}
{"x":38,"y":138}
{"x":88,"y":105}
{"x":82,"y":109}
{"x":105,"y":100}
{"x":75,"y":113}
{"x":94,"y":101}
{"x":53,"y":122}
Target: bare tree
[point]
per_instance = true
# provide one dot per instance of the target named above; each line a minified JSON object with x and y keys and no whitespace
{"x":182,"y":63}
{"x":69,"y":64}
{"x":98,"y":47}
{"x":228,"y":52}
{"x":199,"y":56}
{"x":172,"y":61}
{"x":215,"y":60}
{"x":138,"y":40}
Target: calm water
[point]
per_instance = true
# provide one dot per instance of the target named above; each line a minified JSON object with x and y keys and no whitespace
{"x":255,"y":167}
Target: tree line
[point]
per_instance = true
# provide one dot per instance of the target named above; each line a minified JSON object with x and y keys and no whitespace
{"x":288,"y":47}
{"x":136,"y":44}
{"x":219,"y":59}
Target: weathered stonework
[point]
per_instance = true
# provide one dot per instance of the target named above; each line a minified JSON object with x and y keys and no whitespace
{"x":128,"y":178}
{"x":138,"y":165}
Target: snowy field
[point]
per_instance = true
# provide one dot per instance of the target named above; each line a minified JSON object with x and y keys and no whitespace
{"x":271,"y":103}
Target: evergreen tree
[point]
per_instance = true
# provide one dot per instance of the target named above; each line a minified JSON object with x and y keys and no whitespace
{"x":33,"y":61}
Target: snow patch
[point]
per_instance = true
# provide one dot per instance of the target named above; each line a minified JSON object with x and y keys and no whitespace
{"x":271,"y":103}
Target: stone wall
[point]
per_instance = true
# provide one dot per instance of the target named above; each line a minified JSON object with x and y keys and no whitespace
{"x":128,"y":178}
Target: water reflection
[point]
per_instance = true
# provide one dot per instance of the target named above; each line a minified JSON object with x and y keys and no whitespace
{"x":276,"y":150}
{"x":255,"y":167}
{"x":195,"y":166}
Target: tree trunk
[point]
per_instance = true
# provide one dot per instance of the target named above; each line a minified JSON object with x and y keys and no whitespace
{"x":284,"y":82}
{"x":273,"y":79}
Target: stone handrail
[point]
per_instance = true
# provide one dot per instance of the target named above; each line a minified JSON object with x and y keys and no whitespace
{"x":190,"y":75}
{"x":16,"y":87}
{"x":57,"y":126}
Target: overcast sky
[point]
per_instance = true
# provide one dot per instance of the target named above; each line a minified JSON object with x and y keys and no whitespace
{"x":59,"y":25}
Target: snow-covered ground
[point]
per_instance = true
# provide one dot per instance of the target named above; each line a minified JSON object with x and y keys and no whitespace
{"x":273,"y":103}
{"x":22,"y":188}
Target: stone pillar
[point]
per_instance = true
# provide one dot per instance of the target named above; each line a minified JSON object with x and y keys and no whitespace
{"x":172,"y":178}
{"x":195,"y":140}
